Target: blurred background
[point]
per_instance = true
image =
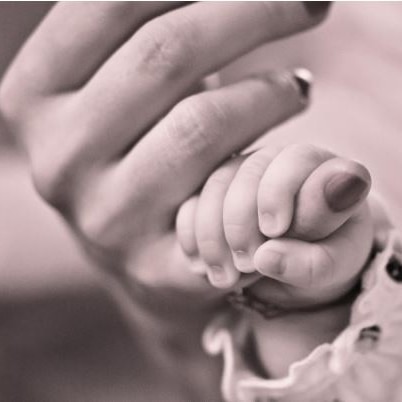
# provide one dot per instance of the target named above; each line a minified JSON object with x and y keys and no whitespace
{"x":59,"y":332}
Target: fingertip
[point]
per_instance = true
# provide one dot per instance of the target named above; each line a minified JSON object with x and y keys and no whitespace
{"x":272,"y":224}
{"x":222,"y":276}
{"x":243,"y":261}
{"x":270,"y":261}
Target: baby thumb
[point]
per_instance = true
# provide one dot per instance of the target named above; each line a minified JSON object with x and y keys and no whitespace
{"x":330,"y":196}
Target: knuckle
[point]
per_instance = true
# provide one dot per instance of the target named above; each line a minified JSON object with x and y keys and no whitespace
{"x":166,"y":48}
{"x":19,"y":96}
{"x":52,"y":179}
{"x":55,"y":170}
{"x":60,"y":161}
{"x":96,"y":226}
{"x":105,"y":221}
{"x":194,"y":125}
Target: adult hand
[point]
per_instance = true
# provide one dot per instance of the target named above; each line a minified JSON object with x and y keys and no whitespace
{"x":98,"y":98}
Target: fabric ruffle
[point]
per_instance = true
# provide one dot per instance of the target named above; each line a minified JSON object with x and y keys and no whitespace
{"x":363,"y":364}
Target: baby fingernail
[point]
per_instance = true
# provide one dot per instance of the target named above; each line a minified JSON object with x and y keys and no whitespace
{"x":304,"y":80}
{"x":271,"y":263}
{"x":268,"y":224}
{"x":344,"y":190}
{"x":242,"y":261}
{"x":218,"y":274}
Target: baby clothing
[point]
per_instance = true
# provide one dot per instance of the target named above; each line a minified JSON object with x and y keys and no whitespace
{"x":363,"y":364}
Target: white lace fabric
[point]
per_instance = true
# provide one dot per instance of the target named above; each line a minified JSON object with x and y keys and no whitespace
{"x":363,"y":364}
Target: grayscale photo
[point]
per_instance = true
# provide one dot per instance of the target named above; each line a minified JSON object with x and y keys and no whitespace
{"x":201,"y":201}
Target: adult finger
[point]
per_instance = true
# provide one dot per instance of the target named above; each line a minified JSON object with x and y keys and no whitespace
{"x":328,"y":198}
{"x":281,"y":183}
{"x":205,"y":129}
{"x":75,"y":39}
{"x":155,"y":68}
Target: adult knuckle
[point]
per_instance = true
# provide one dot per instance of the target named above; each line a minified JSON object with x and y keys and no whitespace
{"x":19,"y":91}
{"x":114,"y":223}
{"x":51,"y":179}
{"x":11,"y":102}
{"x":96,"y":226}
{"x":194,"y":125}
{"x":60,"y":153}
{"x":166,"y":48}
{"x":215,"y":114}
{"x":55,"y":170}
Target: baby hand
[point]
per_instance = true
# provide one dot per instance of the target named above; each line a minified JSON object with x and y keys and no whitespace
{"x":297,"y":216}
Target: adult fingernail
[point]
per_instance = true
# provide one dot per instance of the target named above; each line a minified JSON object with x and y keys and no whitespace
{"x":317,"y":8}
{"x":344,"y":190}
{"x":242,"y":261}
{"x":271,"y":263}
{"x":304,"y":80}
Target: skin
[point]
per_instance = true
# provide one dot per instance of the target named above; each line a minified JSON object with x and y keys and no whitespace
{"x":64,"y":107}
{"x":65,"y":94}
{"x":322,"y":250}
{"x":226,"y":217}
